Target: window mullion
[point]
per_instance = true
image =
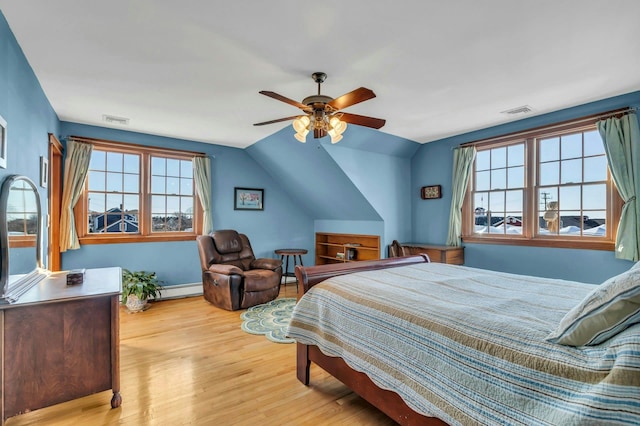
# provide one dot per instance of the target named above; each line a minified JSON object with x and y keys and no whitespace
{"x":530,"y":188}
{"x":145,"y":196}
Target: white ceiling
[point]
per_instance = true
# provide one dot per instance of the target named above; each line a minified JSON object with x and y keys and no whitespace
{"x":192,"y":69}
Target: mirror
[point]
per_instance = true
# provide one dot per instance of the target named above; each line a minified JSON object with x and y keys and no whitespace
{"x":20,"y":238}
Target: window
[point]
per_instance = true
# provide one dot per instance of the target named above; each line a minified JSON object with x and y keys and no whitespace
{"x":113,"y":195}
{"x":135,"y":193}
{"x":22,"y":214}
{"x":548,"y":187}
{"x":172,"y":195}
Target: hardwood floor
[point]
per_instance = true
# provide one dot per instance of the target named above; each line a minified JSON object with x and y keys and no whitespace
{"x":186,"y":362}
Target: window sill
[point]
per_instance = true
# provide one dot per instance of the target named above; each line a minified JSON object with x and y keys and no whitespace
{"x":543,"y":242}
{"x":135,"y":239}
{"x":22,"y":241}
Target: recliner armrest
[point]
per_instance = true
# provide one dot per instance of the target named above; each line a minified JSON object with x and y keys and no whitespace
{"x":265,"y":263}
{"x":226,"y":269}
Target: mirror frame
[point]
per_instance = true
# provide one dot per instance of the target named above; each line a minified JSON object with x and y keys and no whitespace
{"x":11,"y":293}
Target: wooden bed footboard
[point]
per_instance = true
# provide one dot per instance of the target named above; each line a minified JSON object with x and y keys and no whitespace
{"x":386,"y":401}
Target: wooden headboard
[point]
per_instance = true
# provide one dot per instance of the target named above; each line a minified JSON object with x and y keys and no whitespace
{"x":308,"y":276}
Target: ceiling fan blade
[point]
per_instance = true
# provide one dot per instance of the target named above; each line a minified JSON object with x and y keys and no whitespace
{"x":319,"y":133}
{"x":354,"y":97}
{"x":277,"y":121}
{"x":274,"y":95}
{"x":362,"y":120}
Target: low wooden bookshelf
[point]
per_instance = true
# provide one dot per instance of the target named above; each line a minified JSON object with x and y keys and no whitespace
{"x":333,"y":248}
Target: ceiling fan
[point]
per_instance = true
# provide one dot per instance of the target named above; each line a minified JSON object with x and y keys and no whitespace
{"x":323,"y":113}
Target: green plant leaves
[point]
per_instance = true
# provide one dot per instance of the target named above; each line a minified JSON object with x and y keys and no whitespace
{"x":142,"y":284}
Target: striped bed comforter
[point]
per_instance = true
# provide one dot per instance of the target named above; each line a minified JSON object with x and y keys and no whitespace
{"x":468,"y":345}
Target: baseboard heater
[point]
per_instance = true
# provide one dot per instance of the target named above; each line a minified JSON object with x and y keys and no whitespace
{"x":181,"y":290}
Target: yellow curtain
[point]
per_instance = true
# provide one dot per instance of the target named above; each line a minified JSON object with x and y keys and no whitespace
{"x":76,"y":166}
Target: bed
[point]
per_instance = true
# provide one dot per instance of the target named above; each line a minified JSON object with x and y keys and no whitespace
{"x":431,"y":343}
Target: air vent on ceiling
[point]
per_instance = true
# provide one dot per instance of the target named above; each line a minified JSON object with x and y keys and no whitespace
{"x":524,"y":109}
{"x":115,"y":120}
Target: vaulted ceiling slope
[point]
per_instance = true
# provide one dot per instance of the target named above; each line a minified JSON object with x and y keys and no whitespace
{"x":314,"y":175}
{"x":193,"y":70}
{"x":312,"y":178}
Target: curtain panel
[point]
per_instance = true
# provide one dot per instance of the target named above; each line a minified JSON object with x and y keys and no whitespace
{"x":202,"y":174}
{"x":76,"y":166}
{"x":462,"y":166}
{"x":621,"y":138}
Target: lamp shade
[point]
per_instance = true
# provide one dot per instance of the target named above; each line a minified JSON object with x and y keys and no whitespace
{"x":301,"y":137}
{"x":301,"y":123}
{"x":338,"y":125}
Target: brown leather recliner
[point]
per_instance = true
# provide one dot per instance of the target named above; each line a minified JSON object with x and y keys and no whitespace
{"x":232,"y":278}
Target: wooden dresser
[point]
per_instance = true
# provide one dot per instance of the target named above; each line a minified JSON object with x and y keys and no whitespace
{"x":61,"y":342}
{"x":439,"y":254}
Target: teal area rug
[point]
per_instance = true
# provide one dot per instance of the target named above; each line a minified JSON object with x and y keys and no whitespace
{"x":270,"y":319}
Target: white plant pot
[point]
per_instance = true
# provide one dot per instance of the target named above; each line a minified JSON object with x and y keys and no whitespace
{"x":134,"y":304}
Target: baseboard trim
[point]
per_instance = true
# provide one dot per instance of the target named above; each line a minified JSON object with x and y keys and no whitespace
{"x":181,"y":290}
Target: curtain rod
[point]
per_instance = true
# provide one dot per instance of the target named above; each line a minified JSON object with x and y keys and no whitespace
{"x":146,"y":147}
{"x":624,"y":111}
{"x":590,"y":118}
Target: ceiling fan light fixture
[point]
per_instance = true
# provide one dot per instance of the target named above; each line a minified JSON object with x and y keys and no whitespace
{"x":301,"y":123}
{"x":336,"y":138}
{"x":338,"y":125}
{"x":301,"y":137}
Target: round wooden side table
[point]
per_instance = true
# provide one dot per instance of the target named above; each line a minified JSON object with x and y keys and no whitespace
{"x":284,"y":257}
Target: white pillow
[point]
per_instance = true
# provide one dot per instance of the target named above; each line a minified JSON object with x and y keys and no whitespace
{"x":612,"y":307}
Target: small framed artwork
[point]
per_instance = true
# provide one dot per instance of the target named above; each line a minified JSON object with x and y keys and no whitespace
{"x":431,"y":192}
{"x":248,"y":199}
{"x":3,"y":143}
{"x":44,"y":172}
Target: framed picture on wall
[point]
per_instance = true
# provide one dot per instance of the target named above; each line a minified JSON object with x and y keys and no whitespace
{"x":248,"y":199}
{"x":3,"y":143}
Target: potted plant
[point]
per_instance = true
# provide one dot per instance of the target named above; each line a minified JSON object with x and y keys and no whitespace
{"x":137,"y":287}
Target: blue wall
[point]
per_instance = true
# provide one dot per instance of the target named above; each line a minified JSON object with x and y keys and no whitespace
{"x":383,"y":181}
{"x":281,"y":223}
{"x":433,"y":163}
{"x":28,"y":114}
{"x":309,"y":173}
